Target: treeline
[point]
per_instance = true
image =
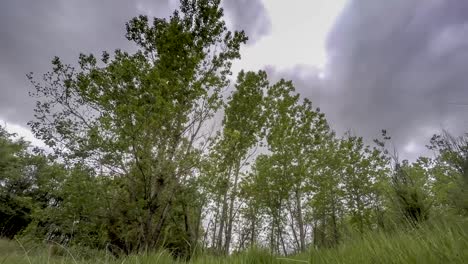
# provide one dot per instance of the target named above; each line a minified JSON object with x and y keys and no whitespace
{"x":146,"y":152}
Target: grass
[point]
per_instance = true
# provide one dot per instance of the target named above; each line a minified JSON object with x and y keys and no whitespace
{"x":439,"y":242}
{"x":435,"y":242}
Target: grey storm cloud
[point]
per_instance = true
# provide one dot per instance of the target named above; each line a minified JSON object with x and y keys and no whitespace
{"x":33,"y":32}
{"x":250,"y":16}
{"x":400,"y":65}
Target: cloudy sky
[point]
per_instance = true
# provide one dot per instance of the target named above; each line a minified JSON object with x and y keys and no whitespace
{"x":400,"y":65}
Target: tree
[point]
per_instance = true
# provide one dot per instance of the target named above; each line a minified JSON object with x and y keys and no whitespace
{"x":327,"y":202}
{"x":28,"y":182}
{"x":15,"y":212}
{"x":409,"y":197}
{"x":136,"y":118}
{"x":242,"y":125}
{"x":451,"y":170}
{"x":77,"y":213}
{"x":364,"y":168}
{"x":139,"y":164}
{"x":296,"y":137}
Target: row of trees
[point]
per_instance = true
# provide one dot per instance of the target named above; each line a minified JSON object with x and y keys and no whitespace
{"x":138,"y":159}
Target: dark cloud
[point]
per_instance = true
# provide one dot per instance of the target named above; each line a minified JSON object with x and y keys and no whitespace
{"x":401,"y":65}
{"x":33,"y":32}
{"x":250,"y":16}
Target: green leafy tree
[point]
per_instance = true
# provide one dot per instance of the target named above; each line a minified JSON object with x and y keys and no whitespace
{"x":77,"y":214}
{"x":272,"y":197}
{"x":242,"y":125}
{"x":296,"y":137}
{"x":15,"y":210}
{"x":28,"y":182}
{"x":364,"y":169}
{"x":451,"y":170}
{"x":410,"y":197}
{"x":137,"y":117}
{"x":327,"y":203}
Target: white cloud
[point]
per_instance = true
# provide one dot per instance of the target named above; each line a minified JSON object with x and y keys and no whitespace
{"x":22,"y":132}
{"x":298,"y":35}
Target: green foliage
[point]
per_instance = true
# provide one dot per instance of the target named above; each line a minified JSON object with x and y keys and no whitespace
{"x":135,"y":118}
{"x":410,"y":198}
{"x":242,"y":126}
{"x":451,"y":170}
{"x":27,"y":183}
{"x":445,"y":240}
{"x":15,"y":209}
{"x":76,"y":215}
{"x":139,"y":164}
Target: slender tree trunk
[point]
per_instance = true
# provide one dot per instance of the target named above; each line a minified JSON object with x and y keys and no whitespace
{"x":148,"y":230}
{"x":272,"y":235}
{"x":293,"y":228}
{"x":219,"y":243}
{"x":160,"y":224}
{"x":334,"y":223}
{"x":189,"y":229}
{"x":277,"y":238}
{"x":215,"y":226}
{"x":231,"y":209}
{"x":198,"y":222}
{"x":280,"y":235}
{"x":314,"y":234}
{"x":279,"y":229}
{"x":300,"y":220}
{"x":252,"y":227}
{"x":322,"y":229}
{"x":244,"y":237}
{"x":205,"y":236}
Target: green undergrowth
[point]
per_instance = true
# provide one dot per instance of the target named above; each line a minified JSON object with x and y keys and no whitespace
{"x":440,"y":241}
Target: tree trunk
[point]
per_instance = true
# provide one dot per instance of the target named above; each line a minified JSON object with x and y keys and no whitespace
{"x":293,"y":228}
{"x":314,"y":234}
{"x":198,"y":222}
{"x":300,"y":220}
{"x":219,"y":243}
{"x":160,"y":224}
{"x":280,"y":235}
{"x":334,"y":223}
{"x":189,"y":229}
{"x":148,"y":227}
{"x":272,"y":235}
{"x":215,"y":226}
{"x":252,"y":228}
{"x":231,"y":209}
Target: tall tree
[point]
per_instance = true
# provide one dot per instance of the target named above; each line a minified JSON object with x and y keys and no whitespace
{"x":242,"y":125}
{"x":363,"y":169}
{"x":138,"y":116}
{"x":295,"y":135}
{"x":451,"y":170}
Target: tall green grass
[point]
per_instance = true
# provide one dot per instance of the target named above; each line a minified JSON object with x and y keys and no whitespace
{"x":443,"y":241}
{"x":433,"y":242}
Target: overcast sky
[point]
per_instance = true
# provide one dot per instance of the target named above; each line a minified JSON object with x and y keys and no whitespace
{"x":400,"y":65}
